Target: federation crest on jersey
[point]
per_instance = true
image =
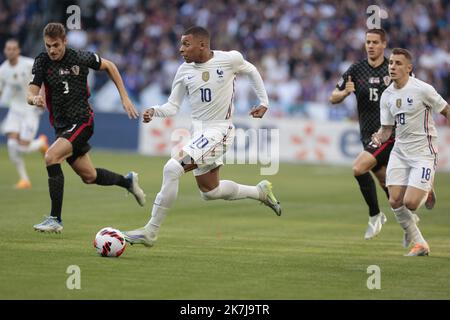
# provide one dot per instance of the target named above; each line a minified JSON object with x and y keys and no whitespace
{"x":387,"y":80}
{"x":205,"y":76}
{"x":398,"y":103}
{"x":220,"y":78}
{"x":75,"y":70}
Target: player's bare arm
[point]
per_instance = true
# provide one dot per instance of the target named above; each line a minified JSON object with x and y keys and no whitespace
{"x":258,"y":112}
{"x":148,"y":115}
{"x":382,"y":135}
{"x":114,"y":74}
{"x":337,"y":96}
{"x":33,"y":96}
{"x":446,"y":113}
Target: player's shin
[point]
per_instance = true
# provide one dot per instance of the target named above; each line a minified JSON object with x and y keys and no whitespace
{"x":109,"y":178}
{"x":16,"y":158}
{"x":230,"y":190}
{"x":406,"y":220}
{"x":369,"y":192}
{"x":34,"y":145}
{"x":164,"y":200}
{"x":56,"y":189}
{"x":159,"y":214}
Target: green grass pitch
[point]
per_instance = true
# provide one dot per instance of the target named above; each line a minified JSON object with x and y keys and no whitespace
{"x":217,"y":249}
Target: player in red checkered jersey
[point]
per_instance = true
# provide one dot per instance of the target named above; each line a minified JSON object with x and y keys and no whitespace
{"x":63,"y":72}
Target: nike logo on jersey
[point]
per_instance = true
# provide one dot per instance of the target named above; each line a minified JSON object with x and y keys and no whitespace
{"x":190,"y":77}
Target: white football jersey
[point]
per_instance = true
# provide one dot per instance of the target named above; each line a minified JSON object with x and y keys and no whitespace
{"x":410,"y":108}
{"x":210,"y":87}
{"x":14,"y":82}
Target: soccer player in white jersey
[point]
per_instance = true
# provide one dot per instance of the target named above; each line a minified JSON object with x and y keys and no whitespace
{"x":22,"y":122}
{"x":207,"y":79}
{"x":408,"y":103}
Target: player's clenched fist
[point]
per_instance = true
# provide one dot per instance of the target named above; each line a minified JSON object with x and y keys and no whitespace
{"x":376,"y":139}
{"x":349,"y":85}
{"x":148,"y":114}
{"x":38,"y":101}
{"x":258,"y":112}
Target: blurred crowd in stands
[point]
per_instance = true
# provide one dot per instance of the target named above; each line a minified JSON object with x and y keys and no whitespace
{"x":301,"y":47}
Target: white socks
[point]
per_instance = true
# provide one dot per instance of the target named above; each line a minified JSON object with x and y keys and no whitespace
{"x":15,"y":155}
{"x":33,"y":146}
{"x":230,"y":190}
{"x":405,"y":219}
{"x":172,"y":172}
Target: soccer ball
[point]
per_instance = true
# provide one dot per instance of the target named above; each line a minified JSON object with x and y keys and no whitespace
{"x":109,"y":242}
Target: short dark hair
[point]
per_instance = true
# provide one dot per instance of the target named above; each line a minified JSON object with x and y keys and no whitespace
{"x":379,"y":32}
{"x":404,"y":52}
{"x":13,"y":40}
{"x":197,"y":31}
{"x":55,"y":30}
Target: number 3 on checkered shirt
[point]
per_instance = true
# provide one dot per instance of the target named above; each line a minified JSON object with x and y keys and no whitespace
{"x":200,"y":143}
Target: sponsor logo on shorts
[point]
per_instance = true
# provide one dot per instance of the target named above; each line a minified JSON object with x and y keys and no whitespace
{"x":71,"y":129}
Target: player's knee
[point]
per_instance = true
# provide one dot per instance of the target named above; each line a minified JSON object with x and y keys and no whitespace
{"x":173,"y":169}
{"x":50,"y":158}
{"x":89,"y":178}
{"x":210,"y":195}
{"x":395,"y":202}
{"x":205,"y":196}
{"x":411,"y":204}
{"x":358,"y":170}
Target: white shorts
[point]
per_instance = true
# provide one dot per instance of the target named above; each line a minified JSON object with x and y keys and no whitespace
{"x":25,"y":123}
{"x":208,"y":145}
{"x":417,"y":171}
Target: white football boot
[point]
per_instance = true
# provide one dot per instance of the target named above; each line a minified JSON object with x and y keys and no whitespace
{"x":265,"y":188}
{"x":135,"y":189}
{"x":140,"y":236}
{"x":374,"y":225}
{"x":50,"y":224}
